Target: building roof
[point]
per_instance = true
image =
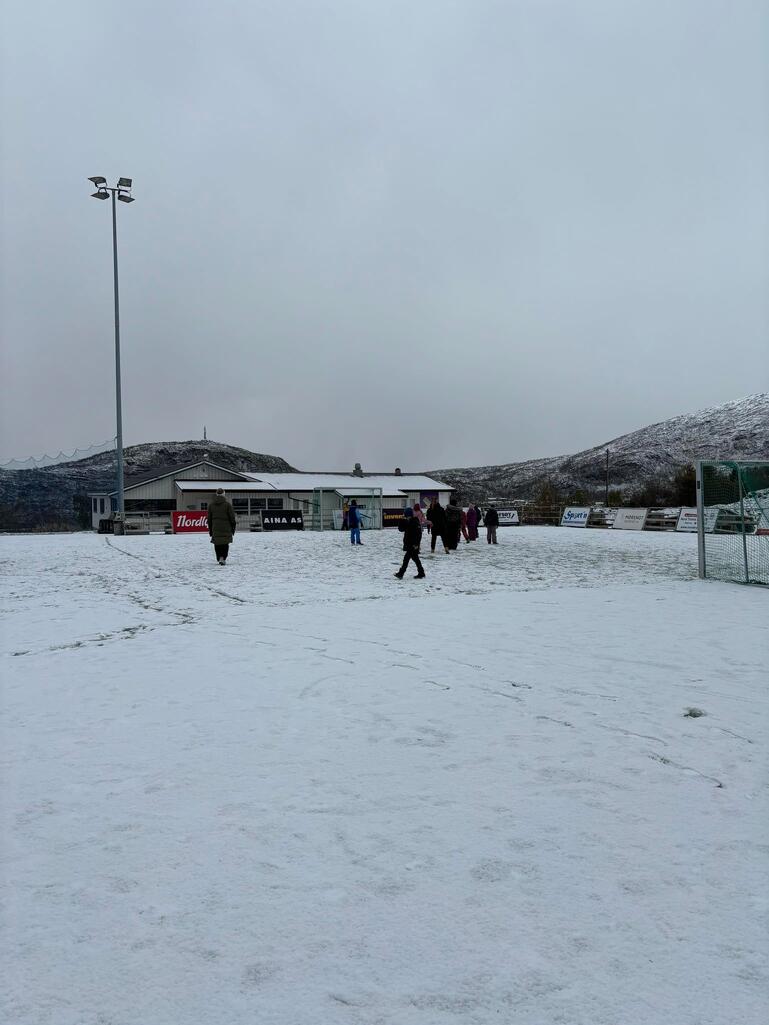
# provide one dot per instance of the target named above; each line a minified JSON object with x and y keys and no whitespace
{"x":168,"y":471}
{"x":228,"y":485}
{"x":390,"y":483}
{"x":256,"y":486}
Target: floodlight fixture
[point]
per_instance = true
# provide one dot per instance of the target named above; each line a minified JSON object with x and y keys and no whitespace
{"x":98,"y":179}
{"x":100,"y":195}
{"x":125,"y":199}
{"x":124,"y":183}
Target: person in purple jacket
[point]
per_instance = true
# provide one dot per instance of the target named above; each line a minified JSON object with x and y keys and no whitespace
{"x":472,"y":524}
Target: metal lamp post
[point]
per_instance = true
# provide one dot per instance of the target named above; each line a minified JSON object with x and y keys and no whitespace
{"x":121,"y":191}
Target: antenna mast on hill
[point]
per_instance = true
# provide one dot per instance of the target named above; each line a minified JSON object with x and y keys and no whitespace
{"x":205,"y":437}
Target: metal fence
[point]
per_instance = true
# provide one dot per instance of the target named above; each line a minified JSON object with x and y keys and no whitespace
{"x":733,"y":521}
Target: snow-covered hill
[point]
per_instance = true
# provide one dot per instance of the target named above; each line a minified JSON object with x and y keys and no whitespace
{"x":734,"y":430}
{"x":45,"y":497}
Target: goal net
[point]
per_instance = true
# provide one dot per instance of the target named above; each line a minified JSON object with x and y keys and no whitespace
{"x":733,"y":521}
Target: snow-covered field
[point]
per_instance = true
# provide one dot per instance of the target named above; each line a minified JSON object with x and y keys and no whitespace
{"x":295,"y":791}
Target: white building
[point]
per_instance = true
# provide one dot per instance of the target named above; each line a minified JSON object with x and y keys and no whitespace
{"x":320,"y":497}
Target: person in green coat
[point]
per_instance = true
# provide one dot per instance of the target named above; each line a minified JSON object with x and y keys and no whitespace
{"x":221,"y":525}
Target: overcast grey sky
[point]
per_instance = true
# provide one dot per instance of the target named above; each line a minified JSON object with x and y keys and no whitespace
{"x":426,"y":234}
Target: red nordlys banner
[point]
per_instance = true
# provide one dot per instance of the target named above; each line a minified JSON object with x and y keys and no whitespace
{"x":190,"y":522}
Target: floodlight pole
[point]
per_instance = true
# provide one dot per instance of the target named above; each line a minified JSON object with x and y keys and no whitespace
{"x":121,"y":191}
{"x":118,"y":395}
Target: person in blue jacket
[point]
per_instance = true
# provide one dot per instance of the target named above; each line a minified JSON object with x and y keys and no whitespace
{"x":354,"y":521}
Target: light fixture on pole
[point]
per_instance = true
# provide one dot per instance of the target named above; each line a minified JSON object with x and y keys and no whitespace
{"x":121,"y":191}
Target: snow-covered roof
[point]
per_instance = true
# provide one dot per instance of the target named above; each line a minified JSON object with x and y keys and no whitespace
{"x":254,"y":485}
{"x":228,"y":485}
{"x":390,"y":483}
{"x":347,"y":484}
{"x":161,"y":472}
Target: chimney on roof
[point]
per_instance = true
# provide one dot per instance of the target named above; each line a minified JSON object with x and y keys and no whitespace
{"x":357,"y":472}
{"x":397,"y":471}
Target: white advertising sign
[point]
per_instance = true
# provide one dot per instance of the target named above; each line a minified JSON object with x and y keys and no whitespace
{"x":508,"y":517}
{"x":687,"y":520}
{"x":575,"y":516}
{"x":711,"y":518}
{"x":630,"y":519}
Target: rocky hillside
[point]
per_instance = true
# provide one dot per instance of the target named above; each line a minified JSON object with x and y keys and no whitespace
{"x":734,"y":430}
{"x":46,"y":497}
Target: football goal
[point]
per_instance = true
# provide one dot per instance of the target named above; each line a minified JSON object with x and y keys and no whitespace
{"x":733,"y":521}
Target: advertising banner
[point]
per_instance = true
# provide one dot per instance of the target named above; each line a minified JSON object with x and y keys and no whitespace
{"x":189,"y":522}
{"x":687,"y":520}
{"x":630,"y":519}
{"x":575,"y":516}
{"x":283,"y":519}
{"x":508,"y":518}
{"x":391,"y":517}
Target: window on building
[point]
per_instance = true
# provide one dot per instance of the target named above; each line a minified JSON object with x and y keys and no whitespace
{"x":96,"y":505}
{"x":204,"y":506}
{"x":101,"y":505}
{"x":240,"y":505}
{"x":258,"y":503}
{"x":274,"y":503}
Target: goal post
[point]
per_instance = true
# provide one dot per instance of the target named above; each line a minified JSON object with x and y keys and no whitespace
{"x":733,"y":520}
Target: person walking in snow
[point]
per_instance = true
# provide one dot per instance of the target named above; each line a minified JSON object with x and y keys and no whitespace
{"x":472,"y":524}
{"x":436,"y":516}
{"x":354,"y":521}
{"x":412,"y":539}
{"x":221,"y":525}
{"x":491,"y":519}
{"x":419,"y":514}
{"x":453,"y":525}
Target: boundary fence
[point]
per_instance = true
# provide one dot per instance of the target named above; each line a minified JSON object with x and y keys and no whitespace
{"x":733,"y":520}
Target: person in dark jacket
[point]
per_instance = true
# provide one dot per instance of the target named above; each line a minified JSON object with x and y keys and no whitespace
{"x":453,"y":525}
{"x":436,"y":516}
{"x":221,"y":525}
{"x":491,"y":519}
{"x":412,"y":539}
{"x":354,"y":521}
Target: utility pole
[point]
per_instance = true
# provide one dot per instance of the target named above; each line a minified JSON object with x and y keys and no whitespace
{"x":607,"y":479}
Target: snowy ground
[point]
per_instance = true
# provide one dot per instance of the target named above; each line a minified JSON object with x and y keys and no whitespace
{"x":295,"y":791}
